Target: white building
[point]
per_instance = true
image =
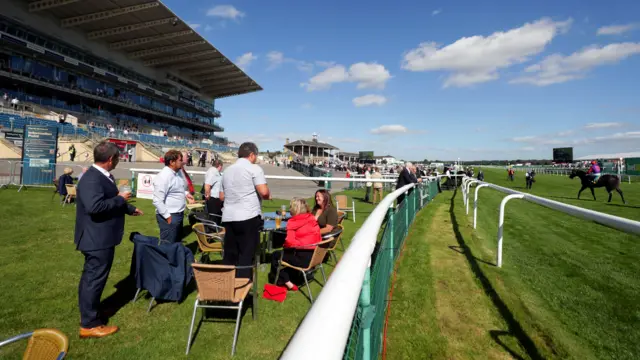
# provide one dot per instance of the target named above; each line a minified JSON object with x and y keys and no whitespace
{"x":386,"y":160}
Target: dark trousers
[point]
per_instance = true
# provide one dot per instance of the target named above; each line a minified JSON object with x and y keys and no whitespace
{"x":299,"y":258}
{"x":97,"y":265}
{"x":171,"y":232}
{"x":367,"y":194}
{"x":241,"y":239}
{"x":214,"y":206}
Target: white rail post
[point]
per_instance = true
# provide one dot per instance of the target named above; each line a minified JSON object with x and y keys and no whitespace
{"x":501,"y":224}
{"x":464,"y":188}
{"x":475,"y":204}
{"x":469,"y":183}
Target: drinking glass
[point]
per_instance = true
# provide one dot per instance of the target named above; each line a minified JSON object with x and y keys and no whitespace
{"x":278,"y":222}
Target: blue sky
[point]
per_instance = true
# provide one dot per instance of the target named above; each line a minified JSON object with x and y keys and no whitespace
{"x":432,"y":79}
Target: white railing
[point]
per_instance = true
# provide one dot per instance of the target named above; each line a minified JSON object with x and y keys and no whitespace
{"x":331,"y":315}
{"x":616,"y":222}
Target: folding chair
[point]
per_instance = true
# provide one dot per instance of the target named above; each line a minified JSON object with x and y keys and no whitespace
{"x":342,"y":201}
{"x":71,"y":193}
{"x":319,"y":253}
{"x":218,"y":283}
{"x":336,"y":236}
{"x":44,"y":344}
{"x":209,"y":242}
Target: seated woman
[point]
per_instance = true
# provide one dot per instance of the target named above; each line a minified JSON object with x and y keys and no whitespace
{"x":302,"y":231}
{"x":325,"y":212}
{"x":65,"y":179}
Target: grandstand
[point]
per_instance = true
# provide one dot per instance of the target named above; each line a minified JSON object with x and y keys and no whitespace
{"x":118,"y":69}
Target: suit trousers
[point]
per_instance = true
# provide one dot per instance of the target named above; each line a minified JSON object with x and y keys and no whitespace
{"x":97,"y":265}
{"x":241,"y":240}
{"x":171,"y":232}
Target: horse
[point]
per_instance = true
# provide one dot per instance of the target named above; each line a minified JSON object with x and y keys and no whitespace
{"x":610,"y":182}
{"x":531,"y":179}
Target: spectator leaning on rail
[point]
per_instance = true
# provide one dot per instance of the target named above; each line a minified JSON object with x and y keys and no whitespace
{"x":212,"y":185}
{"x":169,"y":194}
{"x":407,"y":176}
{"x":243,"y":188}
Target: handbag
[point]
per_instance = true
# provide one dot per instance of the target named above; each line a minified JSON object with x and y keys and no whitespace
{"x":274,"y":292}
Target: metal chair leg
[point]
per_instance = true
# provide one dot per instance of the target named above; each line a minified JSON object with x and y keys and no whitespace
{"x":254,"y":304}
{"x":324,"y":277}
{"x":275,"y":281}
{"x":150,"y":304}
{"x":135,"y":297}
{"x":193,"y":319}
{"x":334,"y":257}
{"x":304,"y":275}
{"x":235,"y":333}
{"x":354,"y":211}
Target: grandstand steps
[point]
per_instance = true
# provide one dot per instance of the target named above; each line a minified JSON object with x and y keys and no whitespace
{"x":84,"y":150}
{"x":9,"y":151}
{"x":147,"y":153}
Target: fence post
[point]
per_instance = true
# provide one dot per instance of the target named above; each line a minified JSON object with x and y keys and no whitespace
{"x":368,"y":313}
{"x":475,"y":204}
{"x":501,"y":224}
{"x":406,"y":212}
{"x":133,"y":183}
{"x":390,"y":225}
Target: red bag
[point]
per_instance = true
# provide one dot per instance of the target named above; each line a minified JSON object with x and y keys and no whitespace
{"x":274,"y":292}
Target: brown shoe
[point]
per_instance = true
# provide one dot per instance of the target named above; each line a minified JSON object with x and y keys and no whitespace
{"x":98,"y":331}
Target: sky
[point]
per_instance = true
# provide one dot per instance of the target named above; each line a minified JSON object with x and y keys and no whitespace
{"x":442,"y":80}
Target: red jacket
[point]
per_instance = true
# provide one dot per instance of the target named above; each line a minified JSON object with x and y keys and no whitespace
{"x":302,"y":229}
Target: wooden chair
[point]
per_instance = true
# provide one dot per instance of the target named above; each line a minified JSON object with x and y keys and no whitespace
{"x":71,"y":193}
{"x":218,"y":283}
{"x":44,"y":344}
{"x":341,"y":216}
{"x":209,"y":242}
{"x":342,"y":204}
{"x":336,"y":237}
{"x":319,"y":253}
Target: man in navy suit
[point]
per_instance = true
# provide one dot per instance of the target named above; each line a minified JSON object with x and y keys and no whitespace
{"x":407,"y":176}
{"x":100,"y":210}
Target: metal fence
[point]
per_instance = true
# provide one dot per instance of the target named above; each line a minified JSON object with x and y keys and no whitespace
{"x":350,"y":311}
{"x":16,"y":173}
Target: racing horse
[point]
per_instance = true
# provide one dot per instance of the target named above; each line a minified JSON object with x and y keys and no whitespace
{"x":610,"y":182}
{"x":531,"y":179}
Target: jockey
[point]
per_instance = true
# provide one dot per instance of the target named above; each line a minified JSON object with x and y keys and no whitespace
{"x":594,"y":171}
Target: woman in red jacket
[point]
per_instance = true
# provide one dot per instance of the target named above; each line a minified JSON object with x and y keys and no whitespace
{"x":302,"y":232}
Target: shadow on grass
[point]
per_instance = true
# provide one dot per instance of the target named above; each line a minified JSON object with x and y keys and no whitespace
{"x":625,"y":206}
{"x":465,"y":250}
{"x":515,"y":329}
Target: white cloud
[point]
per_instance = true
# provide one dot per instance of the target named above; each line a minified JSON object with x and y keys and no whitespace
{"x":528,"y":148}
{"x":367,"y":75}
{"x":194,"y":26}
{"x":604,"y":125}
{"x":225,"y":12}
{"x":557,"y":68}
{"x":617,"y":29}
{"x":369,"y":100}
{"x":244,"y":61}
{"x":389,"y":129}
{"x":325,"y":64}
{"x":307,"y":106}
{"x":277,"y":58}
{"x":436,"y":12}
{"x":477,"y":59}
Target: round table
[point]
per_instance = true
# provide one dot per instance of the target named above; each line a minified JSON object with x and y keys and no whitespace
{"x":272,"y":215}
{"x":270,"y":225}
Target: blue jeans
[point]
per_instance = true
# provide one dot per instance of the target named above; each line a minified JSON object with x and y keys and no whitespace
{"x":171,"y":232}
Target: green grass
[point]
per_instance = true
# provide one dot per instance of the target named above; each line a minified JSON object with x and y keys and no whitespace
{"x":40,"y":270}
{"x":568,"y":288}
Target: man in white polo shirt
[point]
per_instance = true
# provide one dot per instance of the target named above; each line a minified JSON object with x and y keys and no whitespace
{"x":243,"y":189}
{"x":169,"y":194}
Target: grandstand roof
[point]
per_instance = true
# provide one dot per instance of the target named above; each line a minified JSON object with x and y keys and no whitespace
{"x":626,"y":155}
{"x":149,"y":31}
{"x":310,"y":144}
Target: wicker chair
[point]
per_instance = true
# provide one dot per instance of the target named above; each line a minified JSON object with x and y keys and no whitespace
{"x":218,"y":283}
{"x":44,"y":344}
{"x":342,"y":204}
{"x":319,"y":253}
{"x":209,"y":242}
{"x":336,"y":236}
{"x":341,"y":216}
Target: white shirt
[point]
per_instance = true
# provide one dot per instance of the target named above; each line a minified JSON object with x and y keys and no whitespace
{"x":104,"y":172}
{"x":367,"y":175}
{"x":213,"y":178}
{"x":169,"y":192}
{"x":241,"y":200}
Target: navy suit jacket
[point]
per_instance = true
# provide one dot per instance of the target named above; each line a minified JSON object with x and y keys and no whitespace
{"x":405,"y":178}
{"x":99,"y":212}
